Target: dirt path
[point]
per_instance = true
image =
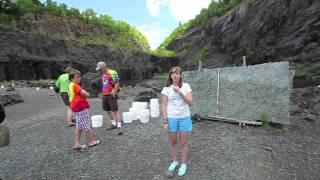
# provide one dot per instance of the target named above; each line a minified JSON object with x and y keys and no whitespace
{"x":41,"y":148}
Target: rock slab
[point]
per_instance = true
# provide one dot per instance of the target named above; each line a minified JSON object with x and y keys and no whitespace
{"x":244,"y":92}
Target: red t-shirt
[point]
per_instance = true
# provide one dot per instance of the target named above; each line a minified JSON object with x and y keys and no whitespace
{"x":77,"y":101}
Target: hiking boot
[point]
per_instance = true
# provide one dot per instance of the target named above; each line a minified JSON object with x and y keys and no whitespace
{"x":120,"y":131}
{"x":112,"y":127}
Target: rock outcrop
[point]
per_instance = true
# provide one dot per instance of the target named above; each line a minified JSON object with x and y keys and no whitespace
{"x":263,"y":31}
{"x":25,"y":56}
{"x":9,"y":97}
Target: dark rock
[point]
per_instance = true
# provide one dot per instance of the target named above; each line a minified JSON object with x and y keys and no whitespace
{"x":307,"y":99}
{"x":25,"y":56}
{"x":9,"y":89}
{"x":262,"y":30}
{"x":146,"y":95}
{"x":7,"y":98}
{"x":91,"y":83}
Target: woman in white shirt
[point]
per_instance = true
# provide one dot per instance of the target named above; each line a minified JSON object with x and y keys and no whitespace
{"x":176,"y":99}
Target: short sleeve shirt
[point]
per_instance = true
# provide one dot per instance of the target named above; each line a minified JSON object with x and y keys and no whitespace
{"x":177,"y":107}
{"x":77,"y":101}
{"x":108,"y":81}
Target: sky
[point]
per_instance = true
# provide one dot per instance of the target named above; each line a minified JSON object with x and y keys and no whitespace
{"x":155,"y":19}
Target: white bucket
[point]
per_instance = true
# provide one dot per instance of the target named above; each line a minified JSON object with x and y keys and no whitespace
{"x":97,"y":121}
{"x":154,"y":114}
{"x":154,"y":103}
{"x":127,"y":117}
{"x":144,"y":119}
{"x":144,"y":115}
{"x":140,"y":105}
{"x":135,"y":113}
{"x":37,"y":88}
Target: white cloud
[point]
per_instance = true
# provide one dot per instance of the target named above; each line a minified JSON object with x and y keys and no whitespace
{"x":154,"y":33}
{"x":154,"y":6}
{"x":182,"y":10}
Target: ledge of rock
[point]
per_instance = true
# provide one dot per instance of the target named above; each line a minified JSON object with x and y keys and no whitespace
{"x":9,"y":97}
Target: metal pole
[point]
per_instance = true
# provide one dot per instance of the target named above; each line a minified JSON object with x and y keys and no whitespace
{"x":218,"y":87}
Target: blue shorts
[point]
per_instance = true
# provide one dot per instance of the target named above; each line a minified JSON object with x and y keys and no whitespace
{"x":183,"y":124}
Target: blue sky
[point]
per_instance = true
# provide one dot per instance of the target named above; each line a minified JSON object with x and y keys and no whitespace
{"x":156,"y":19}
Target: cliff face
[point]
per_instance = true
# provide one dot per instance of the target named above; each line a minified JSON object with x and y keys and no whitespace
{"x":261,"y":30}
{"x":67,"y":28}
{"x":25,"y":55}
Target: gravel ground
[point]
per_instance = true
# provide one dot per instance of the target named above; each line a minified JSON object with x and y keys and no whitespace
{"x":41,"y":147}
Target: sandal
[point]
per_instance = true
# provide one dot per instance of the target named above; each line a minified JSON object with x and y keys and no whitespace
{"x":97,"y":143}
{"x":81,"y":147}
{"x":71,"y":125}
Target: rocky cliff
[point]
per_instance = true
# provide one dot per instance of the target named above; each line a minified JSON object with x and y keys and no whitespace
{"x":25,"y":55}
{"x":261,"y":30}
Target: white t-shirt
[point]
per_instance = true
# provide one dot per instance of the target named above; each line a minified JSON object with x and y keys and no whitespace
{"x":177,"y":107}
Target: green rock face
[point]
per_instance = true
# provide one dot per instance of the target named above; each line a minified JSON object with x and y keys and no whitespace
{"x":244,"y":92}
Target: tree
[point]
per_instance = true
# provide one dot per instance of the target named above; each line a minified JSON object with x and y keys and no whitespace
{"x":89,"y":16}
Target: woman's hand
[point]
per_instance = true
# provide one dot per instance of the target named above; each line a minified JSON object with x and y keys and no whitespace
{"x":177,"y":89}
{"x":165,"y":126}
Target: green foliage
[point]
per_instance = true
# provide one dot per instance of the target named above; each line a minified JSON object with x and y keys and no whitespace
{"x":163,"y":52}
{"x":178,"y":32}
{"x":214,"y":9}
{"x":249,"y":55}
{"x":247,"y":2}
{"x":118,"y":33}
{"x":285,"y":128}
{"x":265,"y":121}
{"x":8,"y":20}
{"x":204,"y":51}
{"x":160,"y":76}
{"x":25,"y":6}
{"x":269,"y":48}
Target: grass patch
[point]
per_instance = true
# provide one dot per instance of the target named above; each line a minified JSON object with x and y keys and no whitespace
{"x":265,"y":121}
{"x":285,"y":128}
{"x":157,"y":76}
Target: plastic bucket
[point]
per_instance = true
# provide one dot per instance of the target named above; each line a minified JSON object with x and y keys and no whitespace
{"x":144,"y":119}
{"x":140,"y":105}
{"x":127,"y":117}
{"x":135,"y":113}
{"x":144,"y":115}
{"x":97,"y":121}
{"x":154,"y":100}
{"x":154,"y":114}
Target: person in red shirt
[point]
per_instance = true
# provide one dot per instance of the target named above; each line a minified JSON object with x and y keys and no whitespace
{"x":80,"y":107}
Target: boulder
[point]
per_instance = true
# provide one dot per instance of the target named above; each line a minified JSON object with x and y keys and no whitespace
{"x":146,"y":95}
{"x":8,"y":98}
{"x":91,"y":83}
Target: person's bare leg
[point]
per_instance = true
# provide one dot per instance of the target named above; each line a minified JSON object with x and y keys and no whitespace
{"x":89,"y":138}
{"x":69,"y":115}
{"x":173,"y":145}
{"x":77,"y":134}
{"x":116,"y":116}
{"x":111,"y":115}
{"x":184,"y":146}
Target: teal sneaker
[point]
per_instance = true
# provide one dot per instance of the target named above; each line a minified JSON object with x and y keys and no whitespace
{"x":182,"y":170}
{"x":173,"y":166}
